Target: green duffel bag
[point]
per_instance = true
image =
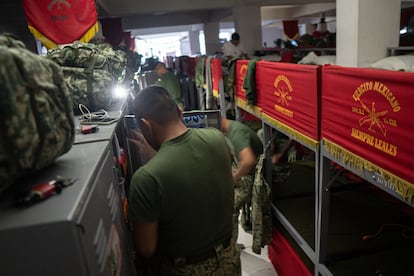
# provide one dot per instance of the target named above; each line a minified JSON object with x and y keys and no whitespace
{"x":37,"y":121}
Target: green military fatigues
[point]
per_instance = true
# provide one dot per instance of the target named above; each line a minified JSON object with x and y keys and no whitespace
{"x":241,"y":137}
{"x":171,"y":83}
{"x":187,"y":187}
{"x":261,"y":210}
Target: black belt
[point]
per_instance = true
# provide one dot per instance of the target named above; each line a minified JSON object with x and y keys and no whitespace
{"x":203,"y":255}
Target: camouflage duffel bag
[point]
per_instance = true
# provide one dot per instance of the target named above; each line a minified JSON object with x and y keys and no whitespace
{"x":79,"y":54}
{"x":92,"y":89}
{"x":37,"y":122}
{"x":90,"y":70}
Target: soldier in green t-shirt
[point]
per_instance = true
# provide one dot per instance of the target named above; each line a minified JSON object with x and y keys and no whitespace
{"x":247,"y":146}
{"x":170,"y":82}
{"x":181,"y":201}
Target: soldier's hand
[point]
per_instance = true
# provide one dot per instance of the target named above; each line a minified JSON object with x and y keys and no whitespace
{"x":236,"y":181}
{"x":292,"y":156}
{"x":144,"y":150}
{"x":276,"y":157}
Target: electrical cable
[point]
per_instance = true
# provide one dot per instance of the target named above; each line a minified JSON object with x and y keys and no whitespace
{"x":407,"y":232}
{"x":89,"y":116}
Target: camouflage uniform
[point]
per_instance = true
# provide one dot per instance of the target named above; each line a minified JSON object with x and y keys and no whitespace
{"x":242,"y":201}
{"x":261,"y":210}
{"x":226,"y":262}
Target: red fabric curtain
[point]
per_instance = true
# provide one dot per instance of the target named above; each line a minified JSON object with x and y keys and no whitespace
{"x":56,"y":22}
{"x":132,"y":43}
{"x":284,"y":258}
{"x":289,"y":93}
{"x":291,"y":29}
{"x":112,"y":30}
{"x":369,"y":113}
{"x":216,"y":74}
{"x":126,"y":38}
{"x":191,"y":66}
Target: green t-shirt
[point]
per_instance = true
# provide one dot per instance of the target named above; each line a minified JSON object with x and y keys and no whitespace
{"x":186,"y":187}
{"x":242,"y":136}
{"x":170,"y":82}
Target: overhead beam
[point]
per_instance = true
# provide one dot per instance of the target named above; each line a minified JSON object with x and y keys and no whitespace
{"x":174,"y":19}
{"x":156,"y":7}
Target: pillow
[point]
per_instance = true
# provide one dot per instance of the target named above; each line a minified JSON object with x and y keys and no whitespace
{"x":395,"y":63}
{"x":322,"y":60}
{"x":270,"y":57}
{"x":314,"y":59}
{"x":309,"y":59}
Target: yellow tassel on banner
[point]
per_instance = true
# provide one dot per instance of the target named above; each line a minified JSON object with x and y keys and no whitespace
{"x":402,"y":187}
{"x":306,"y":140}
{"x":257,"y":111}
{"x":89,"y":34}
{"x":39,"y":36}
{"x":215,"y":93}
{"x":295,"y":37}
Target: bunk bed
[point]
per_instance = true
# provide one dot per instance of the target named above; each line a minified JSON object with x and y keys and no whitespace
{"x":366,"y":127}
{"x":349,"y":210}
{"x":287,"y":101}
{"x":288,"y":96}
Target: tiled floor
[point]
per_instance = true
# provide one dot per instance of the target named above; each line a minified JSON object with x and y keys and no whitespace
{"x":254,"y":264}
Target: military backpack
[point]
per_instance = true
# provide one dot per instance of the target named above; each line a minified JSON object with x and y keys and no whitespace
{"x":37,"y":122}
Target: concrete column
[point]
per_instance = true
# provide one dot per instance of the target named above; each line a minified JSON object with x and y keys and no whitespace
{"x":309,"y":28}
{"x":211,"y":34}
{"x":194,"y":42}
{"x":365,"y":28}
{"x":248,"y":23}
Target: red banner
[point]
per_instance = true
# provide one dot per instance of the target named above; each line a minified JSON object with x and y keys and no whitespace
{"x":240,"y":74}
{"x":216,"y":75}
{"x":289,"y":95}
{"x":56,"y":22}
{"x":367,"y":113}
{"x":240,"y":93}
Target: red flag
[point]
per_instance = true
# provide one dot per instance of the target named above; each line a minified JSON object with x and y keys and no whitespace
{"x":55,"y":22}
{"x":291,"y":29}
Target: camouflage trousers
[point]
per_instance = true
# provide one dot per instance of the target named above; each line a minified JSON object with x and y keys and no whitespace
{"x":226,"y":262}
{"x":242,"y":201}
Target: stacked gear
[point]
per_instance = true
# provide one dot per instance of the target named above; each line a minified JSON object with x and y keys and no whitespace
{"x":91,"y":72}
{"x":37,"y":122}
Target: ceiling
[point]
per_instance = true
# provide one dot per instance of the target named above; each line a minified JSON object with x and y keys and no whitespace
{"x":143,"y":17}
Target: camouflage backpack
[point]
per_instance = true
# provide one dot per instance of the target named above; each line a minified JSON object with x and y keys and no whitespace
{"x":91,"y":71}
{"x":37,"y":122}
